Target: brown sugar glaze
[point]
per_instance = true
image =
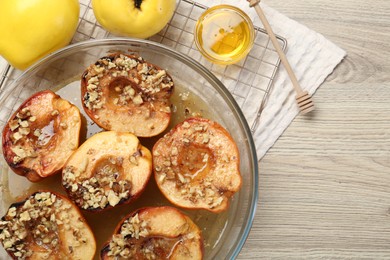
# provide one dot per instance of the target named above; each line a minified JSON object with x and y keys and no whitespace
{"x":185,"y":104}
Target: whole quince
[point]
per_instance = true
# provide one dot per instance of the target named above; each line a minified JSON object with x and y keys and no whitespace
{"x":133,"y":18}
{"x":31,"y":29}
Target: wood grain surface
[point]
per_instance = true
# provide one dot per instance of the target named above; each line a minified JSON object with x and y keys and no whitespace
{"x":325,"y":184}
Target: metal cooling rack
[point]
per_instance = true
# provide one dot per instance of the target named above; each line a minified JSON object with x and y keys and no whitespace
{"x":249,"y":81}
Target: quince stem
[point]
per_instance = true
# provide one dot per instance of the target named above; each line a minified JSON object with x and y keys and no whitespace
{"x":138,"y":3}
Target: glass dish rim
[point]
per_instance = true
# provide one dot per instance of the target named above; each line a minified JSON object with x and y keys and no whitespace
{"x":221,"y":89}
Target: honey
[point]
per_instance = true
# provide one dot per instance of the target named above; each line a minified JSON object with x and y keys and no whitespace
{"x":224,"y":34}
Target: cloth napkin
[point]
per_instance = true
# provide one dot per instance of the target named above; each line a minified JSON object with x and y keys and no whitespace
{"x":310,"y":54}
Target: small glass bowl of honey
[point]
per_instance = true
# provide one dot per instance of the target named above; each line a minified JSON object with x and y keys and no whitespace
{"x":224,"y":34}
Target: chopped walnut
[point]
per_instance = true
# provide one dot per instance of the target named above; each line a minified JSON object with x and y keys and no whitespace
{"x":23,"y":123}
{"x":55,"y":112}
{"x":132,"y":227}
{"x":41,"y":215}
{"x":149,"y":80}
{"x":99,"y":191}
{"x":13,"y":124}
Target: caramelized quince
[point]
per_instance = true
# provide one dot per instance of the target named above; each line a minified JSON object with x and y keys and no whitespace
{"x":46,"y":226}
{"x":196,"y":165}
{"x":127,"y":94}
{"x":108,"y":169}
{"x":155,"y":233}
{"x":41,"y":135}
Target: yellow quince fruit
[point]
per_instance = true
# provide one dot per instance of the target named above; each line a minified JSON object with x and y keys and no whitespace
{"x":133,"y":18}
{"x":31,"y":29}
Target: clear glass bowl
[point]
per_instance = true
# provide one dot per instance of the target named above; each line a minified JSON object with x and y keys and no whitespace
{"x":224,"y":233}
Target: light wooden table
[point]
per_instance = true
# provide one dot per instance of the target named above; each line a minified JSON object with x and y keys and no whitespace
{"x":325,"y":184}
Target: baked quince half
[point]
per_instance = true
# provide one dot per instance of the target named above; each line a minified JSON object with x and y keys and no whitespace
{"x":196,"y":165}
{"x":41,"y":135}
{"x":46,"y":226}
{"x":127,"y":94}
{"x":109,"y":169}
{"x":155,"y":233}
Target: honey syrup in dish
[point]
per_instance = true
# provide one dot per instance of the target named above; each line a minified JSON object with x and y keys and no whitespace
{"x":224,"y":34}
{"x":185,"y":104}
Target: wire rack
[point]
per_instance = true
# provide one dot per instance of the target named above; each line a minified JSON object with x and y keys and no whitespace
{"x":249,"y":81}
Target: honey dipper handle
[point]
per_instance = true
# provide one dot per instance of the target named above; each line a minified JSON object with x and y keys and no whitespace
{"x":282,"y":56}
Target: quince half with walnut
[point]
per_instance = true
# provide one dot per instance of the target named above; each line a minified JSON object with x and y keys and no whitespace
{"x":127,"y":94}
{"x":196,"y":165}
{"x":41,"y":135}
{"x":107,"y":170}
{"x":46,"y":225}
{"x":32,"y":29}
{"x":155,"y":233}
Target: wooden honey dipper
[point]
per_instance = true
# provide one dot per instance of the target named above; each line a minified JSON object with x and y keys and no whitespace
{"x":303,"y":98}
